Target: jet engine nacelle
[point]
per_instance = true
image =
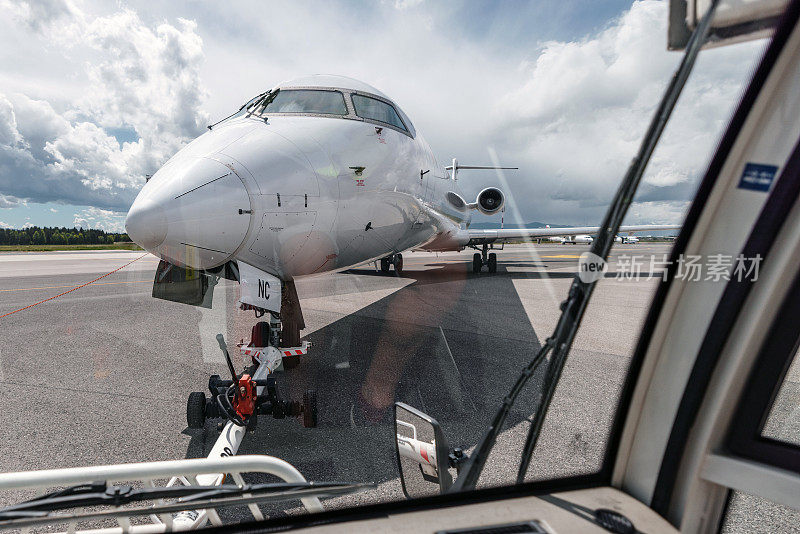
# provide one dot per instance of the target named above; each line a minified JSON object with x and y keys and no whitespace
{"x":489,"y":201}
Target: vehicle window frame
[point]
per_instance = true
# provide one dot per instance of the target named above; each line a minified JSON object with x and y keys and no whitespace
{"x":757,"y":242}
{"x":745,"y":435}
{"x":602,"y":476}
{"x":405,"y":130}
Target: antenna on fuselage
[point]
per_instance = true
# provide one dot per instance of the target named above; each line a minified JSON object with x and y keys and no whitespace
{"x":455,"y":166}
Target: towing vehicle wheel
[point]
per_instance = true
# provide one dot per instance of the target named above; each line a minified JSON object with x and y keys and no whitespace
{"x":398,"y":264}
{"x":385,"y":265}
{"x":477,"y":262}
{"x":310,"y":408}
{"x":492,"y":263}
{"x":196,"y":409}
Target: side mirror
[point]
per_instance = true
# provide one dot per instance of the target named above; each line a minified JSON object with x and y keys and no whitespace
{"x":422,"y":453}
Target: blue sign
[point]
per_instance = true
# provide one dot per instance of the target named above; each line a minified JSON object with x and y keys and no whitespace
{"x":758,"y":177}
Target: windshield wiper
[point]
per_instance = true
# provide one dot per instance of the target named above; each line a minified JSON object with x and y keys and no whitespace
{"x":573,"y":308}
{"x":250,"y":102}
{"x":99,"y":493}
{"x":263,"y":102}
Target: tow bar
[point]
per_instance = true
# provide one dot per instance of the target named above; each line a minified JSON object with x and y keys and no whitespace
{"x":245,"y":396}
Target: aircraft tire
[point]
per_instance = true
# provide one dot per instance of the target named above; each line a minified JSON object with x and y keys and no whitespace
{"x":398,"y":264}
{"x":492,"y":262}
{"x":385,"y":265}
{"x":196,"y":410}
{"x":477,"y":263}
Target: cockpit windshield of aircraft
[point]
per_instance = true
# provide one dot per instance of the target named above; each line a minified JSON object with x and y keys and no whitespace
{"x":327,"y":102}
{"x":416,"y":265}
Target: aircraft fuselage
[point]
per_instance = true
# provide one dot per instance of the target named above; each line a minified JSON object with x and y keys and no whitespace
{"x":296,"y":195}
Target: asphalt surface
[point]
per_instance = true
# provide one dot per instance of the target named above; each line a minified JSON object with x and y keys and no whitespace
{"x":101,"y":374}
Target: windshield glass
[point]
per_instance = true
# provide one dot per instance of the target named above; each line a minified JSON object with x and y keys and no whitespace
{"x":164,"y":286}
{"x":303,"y":101}
{"x":372,"y":108}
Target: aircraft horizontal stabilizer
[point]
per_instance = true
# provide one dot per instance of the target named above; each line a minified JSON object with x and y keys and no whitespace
{"x":456,"y":166}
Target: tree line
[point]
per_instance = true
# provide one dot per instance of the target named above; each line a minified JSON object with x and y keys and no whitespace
{"x":35,"y":235}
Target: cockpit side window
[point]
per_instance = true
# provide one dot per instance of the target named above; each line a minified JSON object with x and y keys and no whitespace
{"x":377,"y":110}
{"x":306,"y":101}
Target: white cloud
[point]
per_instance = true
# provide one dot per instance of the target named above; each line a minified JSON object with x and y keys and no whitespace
{"x":7,"y":201}
{"x":9,"y":136}
{"x":406,"y":4}
{"x":137,"y":76}
{"x":569,"y":113}
{"x":38,"y":14}
{"x":53,"y":210}
{"x":580,"y":116}
{"x":110,"y":221}
{"x":658,"y":212}
{"x":5,"y":225}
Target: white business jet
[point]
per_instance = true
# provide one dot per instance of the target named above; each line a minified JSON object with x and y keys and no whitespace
{"x":318,"y":174}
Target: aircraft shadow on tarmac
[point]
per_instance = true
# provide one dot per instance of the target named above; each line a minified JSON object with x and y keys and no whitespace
{"x":451,"y":344}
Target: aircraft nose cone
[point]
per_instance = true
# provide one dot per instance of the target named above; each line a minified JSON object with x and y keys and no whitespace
{"x":146,"y":223}
{"x":193,"y":212}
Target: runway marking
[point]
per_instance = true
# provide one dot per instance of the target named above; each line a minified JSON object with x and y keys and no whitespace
{"x":95,"y":284}
{"x":571,"y":256}
{"x":73,"y":289}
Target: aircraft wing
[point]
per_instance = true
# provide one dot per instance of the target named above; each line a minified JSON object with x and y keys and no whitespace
{"x":479,"y":237}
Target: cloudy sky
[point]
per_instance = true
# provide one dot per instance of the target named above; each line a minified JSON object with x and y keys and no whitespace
{"x":94,"y":95}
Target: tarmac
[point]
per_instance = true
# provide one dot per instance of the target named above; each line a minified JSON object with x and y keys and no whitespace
{"x":101,"y":374}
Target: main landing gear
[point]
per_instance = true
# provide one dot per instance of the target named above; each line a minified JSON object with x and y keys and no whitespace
{"x":392,"y":259}
{"x":479,"y":259}
{"x":253,"y":392}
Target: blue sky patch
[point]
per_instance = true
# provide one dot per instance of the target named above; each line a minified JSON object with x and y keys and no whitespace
{"x":123,"y":134}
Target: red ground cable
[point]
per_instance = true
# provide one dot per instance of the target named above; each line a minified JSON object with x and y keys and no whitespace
{"x":74,"y":288}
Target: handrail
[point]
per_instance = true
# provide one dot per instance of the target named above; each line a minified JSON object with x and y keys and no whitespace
{"x":149,"y":471}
